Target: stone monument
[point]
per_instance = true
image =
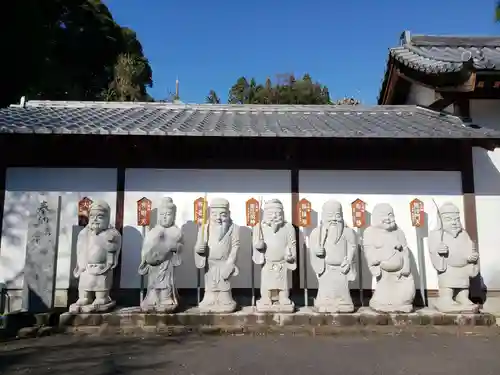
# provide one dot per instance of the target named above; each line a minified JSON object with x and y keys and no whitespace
{"x":41,"y":256}
{"x":332,"y":248}
{"x":388,"y":258}
{"x":274,"y":247}
{"x":455,"y":258}
{"x":217,"y":247}
{"x":161,"y":252}
{"x":98,"y":247}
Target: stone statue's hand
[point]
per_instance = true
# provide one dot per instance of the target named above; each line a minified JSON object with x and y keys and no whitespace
{"x":473,"y":258}
{"x":76,"y":272}
{"x":201,"y":249}
{"x":442,"y":249}
{"x":261,"y":246}
{"x":404,"y":273}
{"x":104,"y":270}
{"x":110,"y":236}
{"x":290,"y":258}
{"x":345,"y":268}
{"x":320,"y":252}
{"x":227,"y":271}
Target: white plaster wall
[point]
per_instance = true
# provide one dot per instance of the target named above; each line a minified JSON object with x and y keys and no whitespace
{"x":184,"y":186}
{"x":485,"y":112}
{"x":487,"y":185}
{"x":23,"y":186}
{"x":424,"y":96}
{"x":398,"y":188}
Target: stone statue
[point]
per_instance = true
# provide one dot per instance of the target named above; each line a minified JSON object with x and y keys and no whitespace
{"x":388,"y":258}
{"x":218,"y":246}
{"x":274,"y":247}
{"x":161,"y":252}
{"x":332,"y":247}
{"x":98,"y":247}
{"x":455,"y":258}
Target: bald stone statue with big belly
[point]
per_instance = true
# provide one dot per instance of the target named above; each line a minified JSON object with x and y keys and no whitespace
{"x":455,"y":258}
{"x":388,"y":258}
{"x":274,"y":247}
{"x":218,"y":248}
{"x":98,"y":247}
{"x":161,"y":253}
{"x":332,"y":248}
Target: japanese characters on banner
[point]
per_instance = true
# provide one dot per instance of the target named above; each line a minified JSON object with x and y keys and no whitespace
{"x":144,"y":212}
{"x":358,"y":213}
{"x":252,"y":212}
{"x":304,"y":213}
{"x":200,"y":207}
{"x":417,"y":213}
{"x":83,"y":211}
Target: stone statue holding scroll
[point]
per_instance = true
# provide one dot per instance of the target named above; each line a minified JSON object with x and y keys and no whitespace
{"x":388,"y":258}
{"x":455,"y":258}
{"x":98,"y":247}
{"x":217,"y":247}
{"x":332,"y":249}
{"x":161,"y":253}
{"x":274,"y":247}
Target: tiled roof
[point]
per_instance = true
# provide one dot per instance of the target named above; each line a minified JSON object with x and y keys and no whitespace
{"x":234,"y":120}
{"x":445,"y":54}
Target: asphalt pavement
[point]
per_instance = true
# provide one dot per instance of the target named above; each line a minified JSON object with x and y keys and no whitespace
{"x":352,"y":354}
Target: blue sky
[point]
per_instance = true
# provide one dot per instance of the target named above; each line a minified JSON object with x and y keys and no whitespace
{"x":342,"y":44}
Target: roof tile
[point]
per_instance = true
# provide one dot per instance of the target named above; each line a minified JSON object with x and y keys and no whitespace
{"x":235,"y":120}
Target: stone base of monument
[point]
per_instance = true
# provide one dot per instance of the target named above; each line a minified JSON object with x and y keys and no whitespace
{"x":274,"y":308}
{"x":249,"y":320}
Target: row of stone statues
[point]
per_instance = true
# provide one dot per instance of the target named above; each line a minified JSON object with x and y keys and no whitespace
{"x":332,"y":250}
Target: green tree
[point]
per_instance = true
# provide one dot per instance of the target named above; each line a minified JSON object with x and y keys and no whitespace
{"x":212,"y":98}
{"x":289,"y":91}
{"x":67,"y":50}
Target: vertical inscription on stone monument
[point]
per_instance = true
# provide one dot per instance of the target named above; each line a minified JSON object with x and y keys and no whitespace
{"x":41,"y":256}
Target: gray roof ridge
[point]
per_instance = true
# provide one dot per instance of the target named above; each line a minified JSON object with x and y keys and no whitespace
{"x":216,"y":107}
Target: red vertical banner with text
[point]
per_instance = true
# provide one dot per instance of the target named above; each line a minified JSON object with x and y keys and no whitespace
{"x":252,"y":208}
{"x":83,"y":211}
{"x":358,"y":213}
{"x":417,"y":213}
{"x":304,"y":213}
{"x":144,"y":212}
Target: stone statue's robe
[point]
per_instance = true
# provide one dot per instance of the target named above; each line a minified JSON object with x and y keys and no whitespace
{"x":333,"y":284}
{"x":393,"y":291}
{"x":454,"y":270}
{"x":158,"y":259}
{"x":97,"y":256}
{"x":274,"y":274}
{"x":220,"y":257}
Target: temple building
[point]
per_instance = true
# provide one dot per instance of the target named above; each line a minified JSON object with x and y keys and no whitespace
{"x":428,"y":139}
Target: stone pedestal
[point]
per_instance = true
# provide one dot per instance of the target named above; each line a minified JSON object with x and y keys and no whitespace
{"x":249,"y":320}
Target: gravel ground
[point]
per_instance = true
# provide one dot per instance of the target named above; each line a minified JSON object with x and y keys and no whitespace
{"x":417,"y":353}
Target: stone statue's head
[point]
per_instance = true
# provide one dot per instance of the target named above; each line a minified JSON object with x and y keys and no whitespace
{"x":274,"y":215}
{"x":166,"y":212}
{"x":383,"y":216}
{"x":331,"y":213}
{"x":219,"y":211}
{"x":450,"y":216}
{"x":99,"y":216}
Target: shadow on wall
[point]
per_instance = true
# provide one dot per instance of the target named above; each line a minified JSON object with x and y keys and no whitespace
{"x":190,"y":235}
{"x":418,"y":266}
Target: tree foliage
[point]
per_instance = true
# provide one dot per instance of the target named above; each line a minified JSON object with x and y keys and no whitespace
{"x":70,"y":50}
{"x":288,"y":91}
{"x":212,"y":98}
